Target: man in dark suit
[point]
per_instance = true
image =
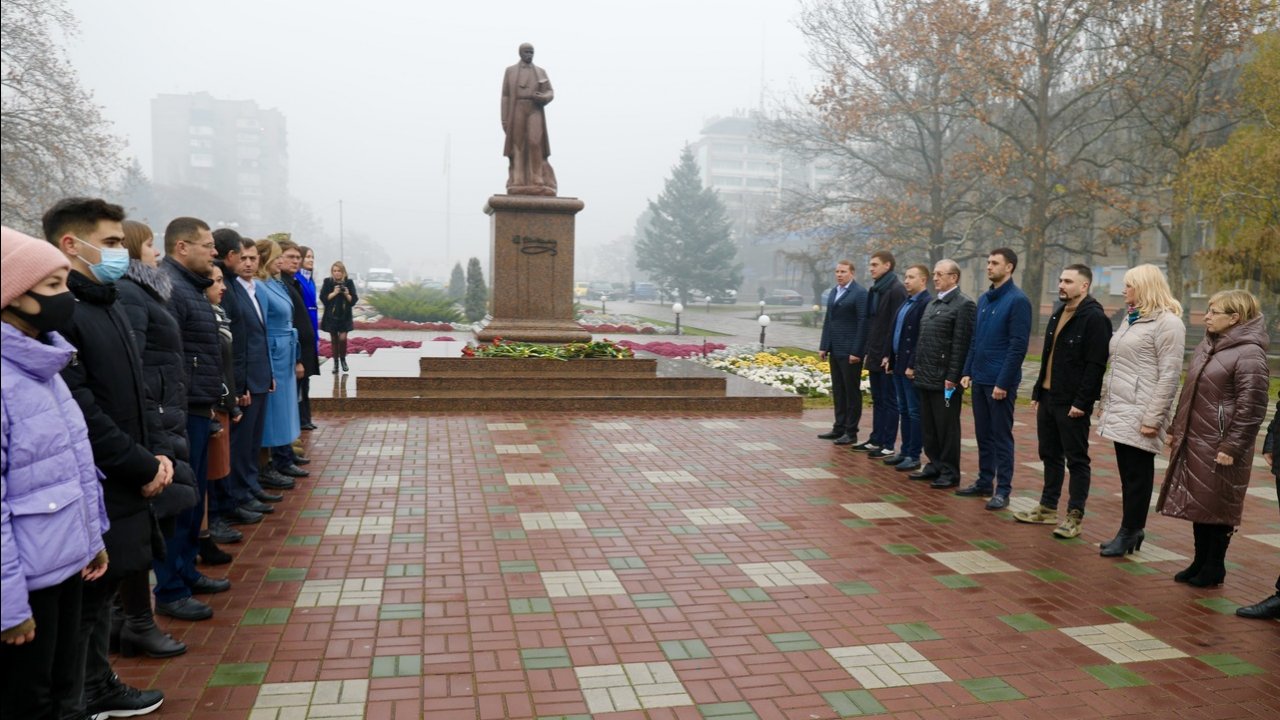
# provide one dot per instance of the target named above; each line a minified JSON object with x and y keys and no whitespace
{"x":884,"y":297}
{"x":902,"y":344}
{"x":844,"y":338}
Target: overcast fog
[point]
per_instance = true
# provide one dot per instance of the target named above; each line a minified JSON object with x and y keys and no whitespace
{"x":372,"y":92}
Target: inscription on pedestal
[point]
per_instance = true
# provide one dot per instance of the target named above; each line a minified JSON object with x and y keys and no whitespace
{"x":534,"y":246}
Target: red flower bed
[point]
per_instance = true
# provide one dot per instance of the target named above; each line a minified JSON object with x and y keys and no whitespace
{"x":670,"y":349}
{"x":367,"y":345}
{"x":390,"y":324}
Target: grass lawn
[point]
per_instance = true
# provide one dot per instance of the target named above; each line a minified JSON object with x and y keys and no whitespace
{"x":798,"y":352}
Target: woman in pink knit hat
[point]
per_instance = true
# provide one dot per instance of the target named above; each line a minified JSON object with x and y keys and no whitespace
{"x":51,"y":511}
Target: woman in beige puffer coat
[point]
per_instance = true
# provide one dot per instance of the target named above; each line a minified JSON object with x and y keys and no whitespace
{"x":1138,"y":394}
{"x":1211,"y":441}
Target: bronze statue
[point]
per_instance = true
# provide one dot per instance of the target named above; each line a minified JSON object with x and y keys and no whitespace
{"x":525,"y":90}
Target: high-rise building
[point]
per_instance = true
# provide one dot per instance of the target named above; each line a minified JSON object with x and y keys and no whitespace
{"x":230,"y":148}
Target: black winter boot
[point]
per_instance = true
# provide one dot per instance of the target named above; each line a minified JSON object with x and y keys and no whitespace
{"x":1198,"y":561}
{"x":1214,"y":570}
{"x":211,"y":554}
{"x":140,"y":634}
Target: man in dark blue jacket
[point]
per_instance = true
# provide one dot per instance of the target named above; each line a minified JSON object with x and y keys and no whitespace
{"x":844,"y":337}
{"x":902,"y":342}
{"x":884,"y":298}
{"x":994,"y":369}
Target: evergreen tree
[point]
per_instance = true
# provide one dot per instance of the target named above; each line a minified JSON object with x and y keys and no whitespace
{"x":457,"y":283}
{"x":686,"y":245}
{"x":477,"y":296}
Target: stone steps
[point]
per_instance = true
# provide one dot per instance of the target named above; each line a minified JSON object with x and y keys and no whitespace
{"x":559,"y":384}
{"x":613,"y":404}
{"x":526,"y":367}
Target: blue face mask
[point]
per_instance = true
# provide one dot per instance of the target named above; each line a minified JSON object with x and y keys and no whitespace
{"x":114,"y":262}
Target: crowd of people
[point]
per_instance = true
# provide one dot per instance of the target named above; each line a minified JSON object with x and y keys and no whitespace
{"x":152,"y":402}
{"x":922,"y":352}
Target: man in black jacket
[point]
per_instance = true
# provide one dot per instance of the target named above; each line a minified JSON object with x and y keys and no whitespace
{"x":1077,"y":344}
{"x":884,"y":297}
{"x":189,"y":254}
{"x":946,"y":329}
{"x":105,"y":377}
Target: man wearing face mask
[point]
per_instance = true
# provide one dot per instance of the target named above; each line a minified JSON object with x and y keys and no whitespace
{"x":105,"y":378}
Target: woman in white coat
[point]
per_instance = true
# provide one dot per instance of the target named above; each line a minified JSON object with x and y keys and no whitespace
{"x":1138,"y":394}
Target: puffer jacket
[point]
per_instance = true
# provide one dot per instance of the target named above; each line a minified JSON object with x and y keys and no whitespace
{"x":201,"y":348}
{"x":1270,"y":442}
{"x":946,"y":329}
{"x":1140,"y":387}
{"x":884,"y":298}
{"x":52,"y":516}
{"x":1221,"y":410}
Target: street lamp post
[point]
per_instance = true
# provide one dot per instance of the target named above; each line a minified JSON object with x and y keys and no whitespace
{"x":764,"y":323}
{"x":677,"y":309}
{"x":603,"y":300}
{"x":761,"y":313}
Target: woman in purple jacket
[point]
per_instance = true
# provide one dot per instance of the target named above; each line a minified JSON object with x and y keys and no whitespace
{"x":51,"y":511}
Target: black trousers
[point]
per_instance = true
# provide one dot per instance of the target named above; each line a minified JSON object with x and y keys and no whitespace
{"x":846,"y":393}
{"x":42,"y":678}
{"x":1062,"y":436}
{"x":95,"y":632}
{"x":940,"y":422}
{"x":1137,"y":475}
{"x":304,"y":399}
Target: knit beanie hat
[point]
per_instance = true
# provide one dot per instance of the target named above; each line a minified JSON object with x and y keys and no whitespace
{"x":24,"y":262}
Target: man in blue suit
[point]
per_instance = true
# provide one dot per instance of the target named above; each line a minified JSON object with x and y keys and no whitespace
{"x":844,"y":339}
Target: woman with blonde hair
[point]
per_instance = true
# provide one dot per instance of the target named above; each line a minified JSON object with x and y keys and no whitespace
{"x":1138,"y":394}
{"x":282,"y":423}
{"x":1211,"y":440}
{"x":338,"y":294}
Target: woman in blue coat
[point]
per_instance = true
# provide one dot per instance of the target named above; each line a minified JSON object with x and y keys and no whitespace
{"x":282,"y":423}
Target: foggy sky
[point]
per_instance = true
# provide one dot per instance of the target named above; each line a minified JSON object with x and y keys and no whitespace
{"x":371,"y":90}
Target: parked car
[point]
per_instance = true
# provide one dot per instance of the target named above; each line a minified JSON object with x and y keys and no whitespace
{"x":720,"y":297}
{"x":597,"y":289}
{"x":381,"y":279}
{"x":784,"y":297}
{"x":644,"y":291}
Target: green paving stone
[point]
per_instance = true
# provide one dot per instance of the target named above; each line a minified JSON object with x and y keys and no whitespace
{"x":684,"y":529}
{"x":626,"y":563}
{"x":820,"y":501}
{"x":901,"y":549}
{"x":1134,"y":568}
{"x":684,"y":649}
{"x":606,"y":532}
{"x":400,"y":611}
{"x":855,"y":587}
{"x":652,"y":600}
{"x":1050,"y":575}
{"x":553,"y":454}
{"x":497,"y":488}
{"x":793,"y":641}
{"x":728,"y":711}
{"x":410,"y":512}
{"x":991,"y":689}
{"x":857,"y":480}
{"x":529,"y":606}
{"x":501,"y":509}
{"x":773,"y":526}
{"x":661,"y":506}
{"x":956,"y":582}
{"x":1115,"y":676}
{"x":853,"y":703}
{"x":1026,"y":622}
{"x":589,"y":507}
{"x":1219,"y":605}
{"x":856,"y":523}
{"x":810,"y":554}
{"x":545,"y":658}
{"x":936,"y":519}
{"x":893,"y":498}
{"x":315,"y":513}
{"x":286,"y":574}
{"x":227,"y":674}
{"x":911,"y":632}
{"x":407,"y":537}
{"x":712,"y":559}
{"x":518,"y":566}
{"x":489,"y":471}
{"x":742,"y":503}
{"x":715,"y":483}
{"x":1230,"y":665}
{"x":418,"y":490}
{"x":266,"y":616}
{"x":385,"y":666}
{"x":509,"y":535}
{"x":1128,"y":613}
{"x":788,"y":482}
{"x":307,"y":540}
{"x":1068,"y":541}
{"x":987,"y":545}
{"x":323,"y":491}
{"x":641,"y":486}
{"x":744,"y":595}
{"x":576,"y":487}
{"x":399,"y":570}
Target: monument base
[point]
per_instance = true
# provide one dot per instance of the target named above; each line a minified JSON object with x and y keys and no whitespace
{"x":539,"y":331}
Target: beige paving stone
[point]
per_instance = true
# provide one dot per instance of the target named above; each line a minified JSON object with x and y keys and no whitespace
{"x":1122,"y":643}
{"x":1272,"y":539}
{"x":887,"y":665}
{"x":781,"y":574}
{"x":758,"y":447}
{"x":360,"y":525}
{"x":876,"y":510}
{"x":972,"y":562}
{"x":517,"y":449}
{"x":499,"y":427}
{"x":807,"y":474}
{"x":720,"y":424}
{"x":552,"y":521}
{"x":658,"y":477}
{"x":635,"y":447}
{"x":370,"y":482}
{"x":631,"y":686}
{"x":580,"y":583}
{"x":320,"y":700}
{"x":1266,"y":493}
{"x":341,"y":592}
{"x":380,"y":451}
{"x":532,"y":479}
{"x":611,"y":426}
{"x":715,"y":516}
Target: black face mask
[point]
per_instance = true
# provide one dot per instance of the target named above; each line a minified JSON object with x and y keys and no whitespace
{"x":55,"y":313}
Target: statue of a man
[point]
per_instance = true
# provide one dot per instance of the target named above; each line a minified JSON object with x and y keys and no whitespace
{"x":525,"y":90}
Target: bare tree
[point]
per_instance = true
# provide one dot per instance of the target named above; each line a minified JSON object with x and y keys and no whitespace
{"x":53,"y":141}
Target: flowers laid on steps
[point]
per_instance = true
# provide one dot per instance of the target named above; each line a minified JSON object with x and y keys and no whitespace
{"x":599,"y":349}
{"x":672,"y":350}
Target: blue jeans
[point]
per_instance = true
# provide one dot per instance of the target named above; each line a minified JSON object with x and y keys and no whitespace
{"x":884,"y":409}
{"x":178,"y":570}
{"x":993,"y":425}
{"x":909,"y":410}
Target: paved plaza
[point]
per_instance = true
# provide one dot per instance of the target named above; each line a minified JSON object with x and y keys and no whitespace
{"x":647,"y":566}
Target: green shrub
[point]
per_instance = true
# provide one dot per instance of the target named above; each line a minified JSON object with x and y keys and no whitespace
{"x":415,"y":304}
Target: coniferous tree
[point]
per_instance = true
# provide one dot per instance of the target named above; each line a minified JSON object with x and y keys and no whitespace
{"x":687,"y":245}
{"x":457,"y":283}
{"x":477,"y":297}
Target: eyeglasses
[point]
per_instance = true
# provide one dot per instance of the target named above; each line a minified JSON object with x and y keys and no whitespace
{"x":1212,"y":311}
